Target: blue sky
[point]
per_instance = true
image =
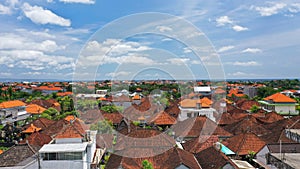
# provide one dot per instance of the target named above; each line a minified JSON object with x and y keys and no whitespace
{"x":43,"y":39}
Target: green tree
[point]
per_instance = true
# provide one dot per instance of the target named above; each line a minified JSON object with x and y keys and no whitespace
{"x":254,"y":109}
{"x":103,"y":126}
{"x":111,"y":108}
{"x":146,"y":165}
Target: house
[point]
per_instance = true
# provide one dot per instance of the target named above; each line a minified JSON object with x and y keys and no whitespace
{"x":244,"y":143}
{"x":280,"y":103}
{"x":198,"y":126}
{"x":284,"y":148}
{"x":174,"y":158}
{"x":48,"y":89}
{"x":213,"y":158}
{"x":72,"y":147}
{"x":47,"y":103}
{"x":122,"y":101}
{"x":193,"y":108}
{"x":34,"y":109}
{"x":162,"y":119}
{"x":203,"y":90}
{"x":20,"y":156}
{"x":11,"y":111}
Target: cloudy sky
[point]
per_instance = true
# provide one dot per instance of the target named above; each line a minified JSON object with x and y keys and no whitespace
{"x":52,"y":39}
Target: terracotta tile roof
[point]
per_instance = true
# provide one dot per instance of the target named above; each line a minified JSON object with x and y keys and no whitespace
{"x":31,"y":129}
{"x":236,"y":92}
{"x":277,"y":130}
{"x":173,"y":109}
{"x":146,"y":109}
{"x":115,"y":118}
{"x":245,"y":104}
{"x":136,"y":97}
{"x":201,"y":125}
{"x":170,"y":159}
{"x":34,"y":109}
{"x":71,"y":130}
{"x":55,"y":128}
{"x":10,"y":104}
{"x":143,"y":143}
{"x":104,"y":140}
{"x":90,"y":116}
{"x":49,"y":88}
{"x":37,"y":139}
{"x":162,"y":118}
{"x":200,"y":143}
{"x":47,"y":103}
{"x":16,"y":154}
{"x":42,"y":123}
{"x":266,"y":117}
{"x":249,"y":123}
{"x":243,"y":143}
{"x":192,"y":103}
{"x":121,"y":98}
{"x":61,"y":94}
{"x":280,"y":98}
{"x":211,"y":158}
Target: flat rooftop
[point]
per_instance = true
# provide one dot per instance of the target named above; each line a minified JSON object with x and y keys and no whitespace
{"x":56,"y":148}
{"x":292,"y":159}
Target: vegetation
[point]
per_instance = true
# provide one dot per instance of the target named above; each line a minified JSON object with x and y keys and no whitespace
{"x":146,"y":165}
{"x":111,"y":108}
{"x":103,"y":126}
{"x":254,"y":109}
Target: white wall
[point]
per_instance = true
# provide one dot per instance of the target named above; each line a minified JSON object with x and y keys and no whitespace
{"x":285,"y":109}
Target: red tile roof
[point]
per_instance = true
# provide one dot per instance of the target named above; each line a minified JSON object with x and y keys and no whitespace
{"x":10,"y":104}
{"x":37,"y":138}
{"x":115,"y":118}
{"x":245,"y":104}
{"x":49,"y":88}
{"x":248,"y":123}
{"x":243,"y":143}
{"x":31,"y":129}
{"x":198,"y":126}
{"x":170,"y":159}
{"x":34,"y":109}
{"x":200,"y":143}
{"x":73,"y":130}
{"x":211,"y":158}
{"x":280,"y":98}
{"x":61,"y":94}
{"x":162,"y":118}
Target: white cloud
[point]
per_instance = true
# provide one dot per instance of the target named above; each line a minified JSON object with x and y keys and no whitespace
{"x":252,"y":50}
{"x":116,"y":74}
{"x":79,"y":1}
{"x":239,"y":28}
{"x":250,"y":63}
{"x":225,"y":48}
{"x":272,"y":9}
{"x":39,"y":15}
{"x":178,"y":61}
{"x":34,"y":60}
{"x":163,"y":28}
{"x":223,"y":20}
{"x":4,"y":10}
{"x":187,"y":50}
{"x":10,"y":41}
{"x":294,"y":8}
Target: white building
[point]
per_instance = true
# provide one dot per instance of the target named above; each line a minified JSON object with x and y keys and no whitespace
{"x":73,"y":152}
{"x":280,"y":103}
{"x":192,"y":108}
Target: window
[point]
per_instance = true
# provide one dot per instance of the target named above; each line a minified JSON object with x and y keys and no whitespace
{"x":62,"y":156}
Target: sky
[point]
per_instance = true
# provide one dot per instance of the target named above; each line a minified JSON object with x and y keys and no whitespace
{"x":60,"y":39}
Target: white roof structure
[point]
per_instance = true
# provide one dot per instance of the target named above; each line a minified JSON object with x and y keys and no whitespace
{"x":199,"y":89}
{"x":56,"y":148}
